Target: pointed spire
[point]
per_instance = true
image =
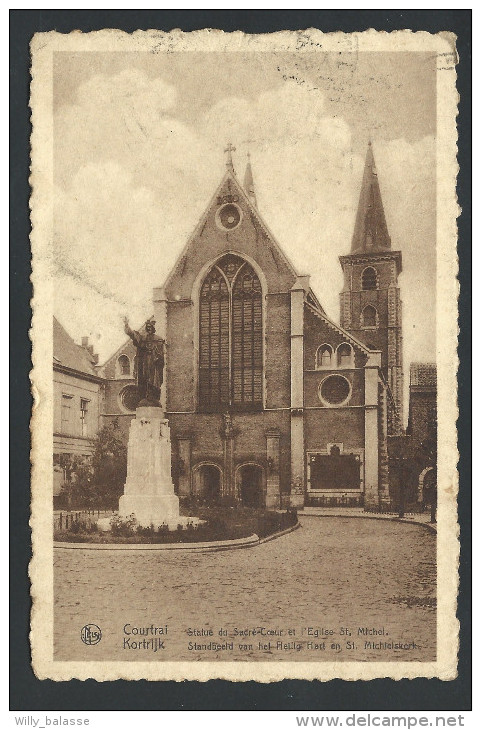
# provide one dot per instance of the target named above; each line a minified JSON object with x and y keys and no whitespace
{"x":249,"y":181}
{"x":370,"y":230}
{"x":229,"y":150}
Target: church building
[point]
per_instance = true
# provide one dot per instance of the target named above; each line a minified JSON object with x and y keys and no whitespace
{"x":269,"y":401}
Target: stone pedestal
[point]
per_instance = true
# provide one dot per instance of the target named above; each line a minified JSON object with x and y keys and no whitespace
{"x":149,"y":490}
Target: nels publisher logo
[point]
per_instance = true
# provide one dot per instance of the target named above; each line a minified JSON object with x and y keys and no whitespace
{"x":91,"y":634}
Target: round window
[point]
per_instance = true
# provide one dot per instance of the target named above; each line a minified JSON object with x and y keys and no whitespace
{"x":129,"y":397}
{"x":334,"y":390}
{"x":229,"y":216}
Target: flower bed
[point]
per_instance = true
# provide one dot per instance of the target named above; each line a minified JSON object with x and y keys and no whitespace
{"x":221,"y":523}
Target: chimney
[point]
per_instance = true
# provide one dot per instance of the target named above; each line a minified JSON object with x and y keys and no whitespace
{"x":85,"y":341}
{"x":90,"y":348}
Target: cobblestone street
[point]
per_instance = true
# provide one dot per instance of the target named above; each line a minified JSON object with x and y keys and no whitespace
{"x":334,"y":575}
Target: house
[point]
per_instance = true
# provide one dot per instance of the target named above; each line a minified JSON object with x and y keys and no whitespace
{"x":422,"y":424}
{"x":77,"y":394}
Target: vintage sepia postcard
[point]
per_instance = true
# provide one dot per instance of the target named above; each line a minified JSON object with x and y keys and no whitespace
{"x":244,"y":328}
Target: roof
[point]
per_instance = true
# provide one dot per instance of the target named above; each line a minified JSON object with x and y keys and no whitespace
{"x":423,"y":373}
{"x":370,"y":229}
{"x":249,"y":181}
{"x":68,"y":354}
{"x":230,"y":175}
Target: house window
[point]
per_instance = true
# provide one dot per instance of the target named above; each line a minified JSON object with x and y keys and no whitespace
{"x":324,"y":357}
{"x":84,"y":410}
{"x":344,"y":355}
{"x":66,"y":413}
{"x":369,"y":278}
{"x":123,"y":364}
{"x":230,"y":337}
{"x":369,"y":317}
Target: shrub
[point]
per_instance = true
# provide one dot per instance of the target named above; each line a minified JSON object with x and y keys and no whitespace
{"x":83,"y":526}
{"x":271,"y":522}
{"x":146,"y":531}
{"x":123,"y":526}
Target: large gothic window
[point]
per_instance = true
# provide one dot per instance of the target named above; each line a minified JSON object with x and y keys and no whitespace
{"x":230,"y":337}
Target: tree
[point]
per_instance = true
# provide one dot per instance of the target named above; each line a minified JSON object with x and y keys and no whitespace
{"x":109,"y":465}
{"x":77,"y":477}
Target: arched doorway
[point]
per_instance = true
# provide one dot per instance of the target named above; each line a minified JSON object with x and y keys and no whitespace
{"x":251,"y":485}
{"x":427,"y":486}
{"x":207,"y":481}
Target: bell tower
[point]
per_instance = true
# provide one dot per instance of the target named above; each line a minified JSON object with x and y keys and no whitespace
{"x":371,"y":306}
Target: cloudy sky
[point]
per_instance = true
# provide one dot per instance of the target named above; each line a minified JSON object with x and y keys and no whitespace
{"x":139,"y":140}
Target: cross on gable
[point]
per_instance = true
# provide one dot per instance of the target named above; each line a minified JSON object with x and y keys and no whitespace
{"x":229,"y":150}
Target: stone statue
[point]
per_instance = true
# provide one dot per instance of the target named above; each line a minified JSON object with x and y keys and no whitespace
{"x":228,"y":429}
{"x":149,"y":362}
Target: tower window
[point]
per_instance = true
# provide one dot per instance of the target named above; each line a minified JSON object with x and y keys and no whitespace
{"x":344,"y":355}
{"x":369,"y":317}
{"x":324,"y":356}
{"x":369,"y":279}
{"x":230,"y":337}
{"x":123,"y":364}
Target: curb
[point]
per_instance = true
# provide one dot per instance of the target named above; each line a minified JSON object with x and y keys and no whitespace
{"x":199,"y":546}
{"x":428,"y":525}
{"x":370,"y":516}
{"x":243,"y":542}
{"x":275,"y":535}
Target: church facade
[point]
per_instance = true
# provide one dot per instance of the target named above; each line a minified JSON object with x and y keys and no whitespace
{"x":269,"y":401}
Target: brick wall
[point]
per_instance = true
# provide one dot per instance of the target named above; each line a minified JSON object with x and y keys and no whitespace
{"x":312,"y":381}
{"x":205,"y":431}
{"x":334,"y":425}
{"x":318,"y":332}
{"x":110,"y":369}
{"x":422,"y":415}
{"x":180,"y":360}
{"x":209,"y":242}
{"x":123,"y":421}
{"x":112,"y":403}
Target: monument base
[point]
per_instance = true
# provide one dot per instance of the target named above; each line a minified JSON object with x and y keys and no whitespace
{"x":150,"y":509}
{"x":149,"y":490}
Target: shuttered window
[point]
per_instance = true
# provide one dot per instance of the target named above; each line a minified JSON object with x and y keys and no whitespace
{"x":230,"y":337}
